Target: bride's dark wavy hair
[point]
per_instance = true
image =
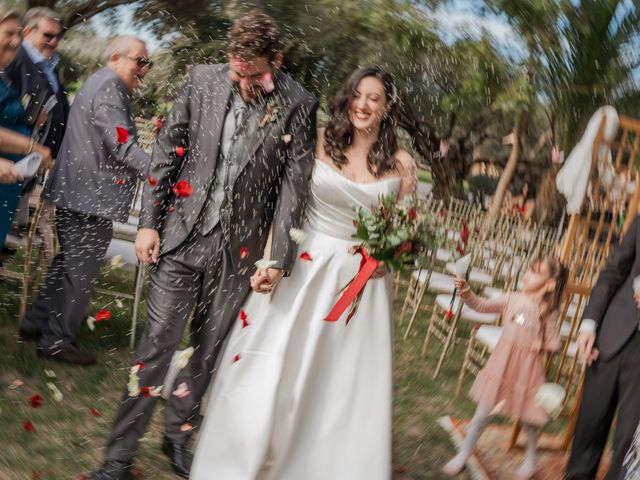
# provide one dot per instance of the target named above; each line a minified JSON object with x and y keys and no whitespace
{"x":339,"y":131}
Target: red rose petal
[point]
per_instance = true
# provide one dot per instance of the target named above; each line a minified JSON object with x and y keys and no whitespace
{"x":449,"y":314}
{"x":120,"y":181}
{"x":171,"y":209}
{"x":243,"y":252}
{"x":28,"y":426}
{"x":236,"y":357}
{"x":305,"y":256}
{"x":152,"y":181}
{"x":103,"y":315}
{"x":122,"y":135}
{"x":182,"y":188}
{"x":95,"y":412}
{"x":140,"y":365}
{"x":180,"y":151}
{"x":146,"y":391}
{"x":243,"y":317}
{"x":35,"y":400}
{"x":135,"y":473}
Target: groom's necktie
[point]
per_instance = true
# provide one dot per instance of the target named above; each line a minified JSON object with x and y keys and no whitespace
{"x":227,"y":164}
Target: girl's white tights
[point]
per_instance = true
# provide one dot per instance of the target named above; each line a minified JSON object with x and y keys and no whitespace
{"x":476,"y":426}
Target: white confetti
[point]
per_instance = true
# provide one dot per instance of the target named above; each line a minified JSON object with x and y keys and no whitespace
{"x":297,"y":235}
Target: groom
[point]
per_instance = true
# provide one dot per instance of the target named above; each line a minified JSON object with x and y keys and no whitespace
{"x":609,"y":341}
{"x":233,"y":160}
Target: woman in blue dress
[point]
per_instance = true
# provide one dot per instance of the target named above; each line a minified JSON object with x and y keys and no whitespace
{"x":15,"y":141}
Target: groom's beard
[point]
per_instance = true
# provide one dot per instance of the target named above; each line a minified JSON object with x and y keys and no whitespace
{"x":251,"y":95}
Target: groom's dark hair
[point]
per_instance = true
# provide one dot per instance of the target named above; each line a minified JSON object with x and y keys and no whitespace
{"x":254,"y":34}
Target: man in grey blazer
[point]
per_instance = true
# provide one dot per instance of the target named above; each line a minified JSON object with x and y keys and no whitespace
{"x":233,"y":161}
{"x":92,"y":185}
{"x":609,"y":342}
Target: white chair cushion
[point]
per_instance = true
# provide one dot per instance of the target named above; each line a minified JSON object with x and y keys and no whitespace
{"x":467,"y":314}
{"x":438,"y":283}
{"x":443,"y":255}
{"x":476,"y":276}
{"x":489,"y":335}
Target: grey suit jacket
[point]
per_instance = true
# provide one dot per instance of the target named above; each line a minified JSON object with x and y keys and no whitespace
{"x":611,"y":304}
{"x":272,"y":182}
{"x":95,"y":172}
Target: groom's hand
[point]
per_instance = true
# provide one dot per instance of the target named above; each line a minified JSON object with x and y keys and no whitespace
{"x":264,"y":281}
{"x":147,"y":245}
{"x":586,"y":351}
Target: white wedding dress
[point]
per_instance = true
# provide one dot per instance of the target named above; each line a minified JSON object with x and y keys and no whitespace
{"x":296,"y":397}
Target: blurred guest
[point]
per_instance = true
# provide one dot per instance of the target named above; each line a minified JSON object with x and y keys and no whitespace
{"x":92,"y":185}
{"x":14,"y":131}
{"x":34,"y":73}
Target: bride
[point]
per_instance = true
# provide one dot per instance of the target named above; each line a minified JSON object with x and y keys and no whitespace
{"x":297,"y":397}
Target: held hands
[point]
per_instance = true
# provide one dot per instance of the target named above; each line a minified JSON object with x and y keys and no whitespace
{"x":8,"y":173}
{"x":264,"y":281}
{"x":587,"y":353}
{"x":147,"y":245}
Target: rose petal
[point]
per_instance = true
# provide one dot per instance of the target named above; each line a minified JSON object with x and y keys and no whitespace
{"x":265,"y":264}
{"x":145,"y":391}
{"x":171,"y":209}
{"x":152,"y":181}
{"x":267,"y":82}
{"x":236,"y":357}
{"x":103,"y":315}
{"x":50,"y":373}
{"x":243,"y":252}
{"x":91,"y":323}
{"x":95,"y":412}
{"x":243,"y":319}
{"x":297,"y":235}
{"x":120,"y":181}
{"x":180,"y":151}
{"x":182,"y":391}
{"x":17,"y":383}
{"x":181,"y":359}
{"x":140,"y":366}
{"x":28,"y":426}
{"x":35,"y":400}
{"x":182,"y":188}
{"x":122,"y":135}
{"x":305,"y":256}
{"x":57,"y":394}
{"x":185,"y":427}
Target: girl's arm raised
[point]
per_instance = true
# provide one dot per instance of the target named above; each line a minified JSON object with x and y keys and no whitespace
{"x":484,"y":305}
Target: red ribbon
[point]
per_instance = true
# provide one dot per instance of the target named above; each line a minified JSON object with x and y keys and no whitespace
{"x":353,"y":291}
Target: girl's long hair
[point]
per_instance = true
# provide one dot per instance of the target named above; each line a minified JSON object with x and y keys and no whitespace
{"x":339,"y":132}
{"x":551,"y":300}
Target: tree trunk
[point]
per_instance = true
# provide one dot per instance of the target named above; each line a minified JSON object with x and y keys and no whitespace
{"x":504,"y":181}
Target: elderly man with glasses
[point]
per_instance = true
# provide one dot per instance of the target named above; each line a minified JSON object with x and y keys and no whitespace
{"x":92,"y":185}
{"x":34,"y":73}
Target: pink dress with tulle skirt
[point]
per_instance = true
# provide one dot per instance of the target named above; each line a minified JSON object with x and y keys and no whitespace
{"x":515,"y":370}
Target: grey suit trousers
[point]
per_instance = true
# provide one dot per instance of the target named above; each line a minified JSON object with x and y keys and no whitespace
{"x":197,"y":277}
{"x":611,"y":385}
{"x":62,"y":302}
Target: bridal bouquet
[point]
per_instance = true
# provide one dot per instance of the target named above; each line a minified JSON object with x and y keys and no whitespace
{"x":394,"y":232}
{"x":398,"y":233}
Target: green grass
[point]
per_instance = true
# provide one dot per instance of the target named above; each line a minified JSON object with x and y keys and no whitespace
{"x":69,"y":441}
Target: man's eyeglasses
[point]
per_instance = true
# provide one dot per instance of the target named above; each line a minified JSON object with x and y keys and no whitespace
{"x":51,"y":36}
{"x":142,"y":61}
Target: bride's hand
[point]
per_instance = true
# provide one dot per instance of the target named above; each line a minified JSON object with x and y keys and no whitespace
{"x":380,"y":271}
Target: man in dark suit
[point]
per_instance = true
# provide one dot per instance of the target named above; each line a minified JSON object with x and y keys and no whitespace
{"x":92,"y":185}
{"x":34,"y":73}
{"x":609,"y":342}
{"x":233,"y":160}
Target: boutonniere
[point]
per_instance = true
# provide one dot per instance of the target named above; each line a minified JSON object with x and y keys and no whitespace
{"x":272,"y":112}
